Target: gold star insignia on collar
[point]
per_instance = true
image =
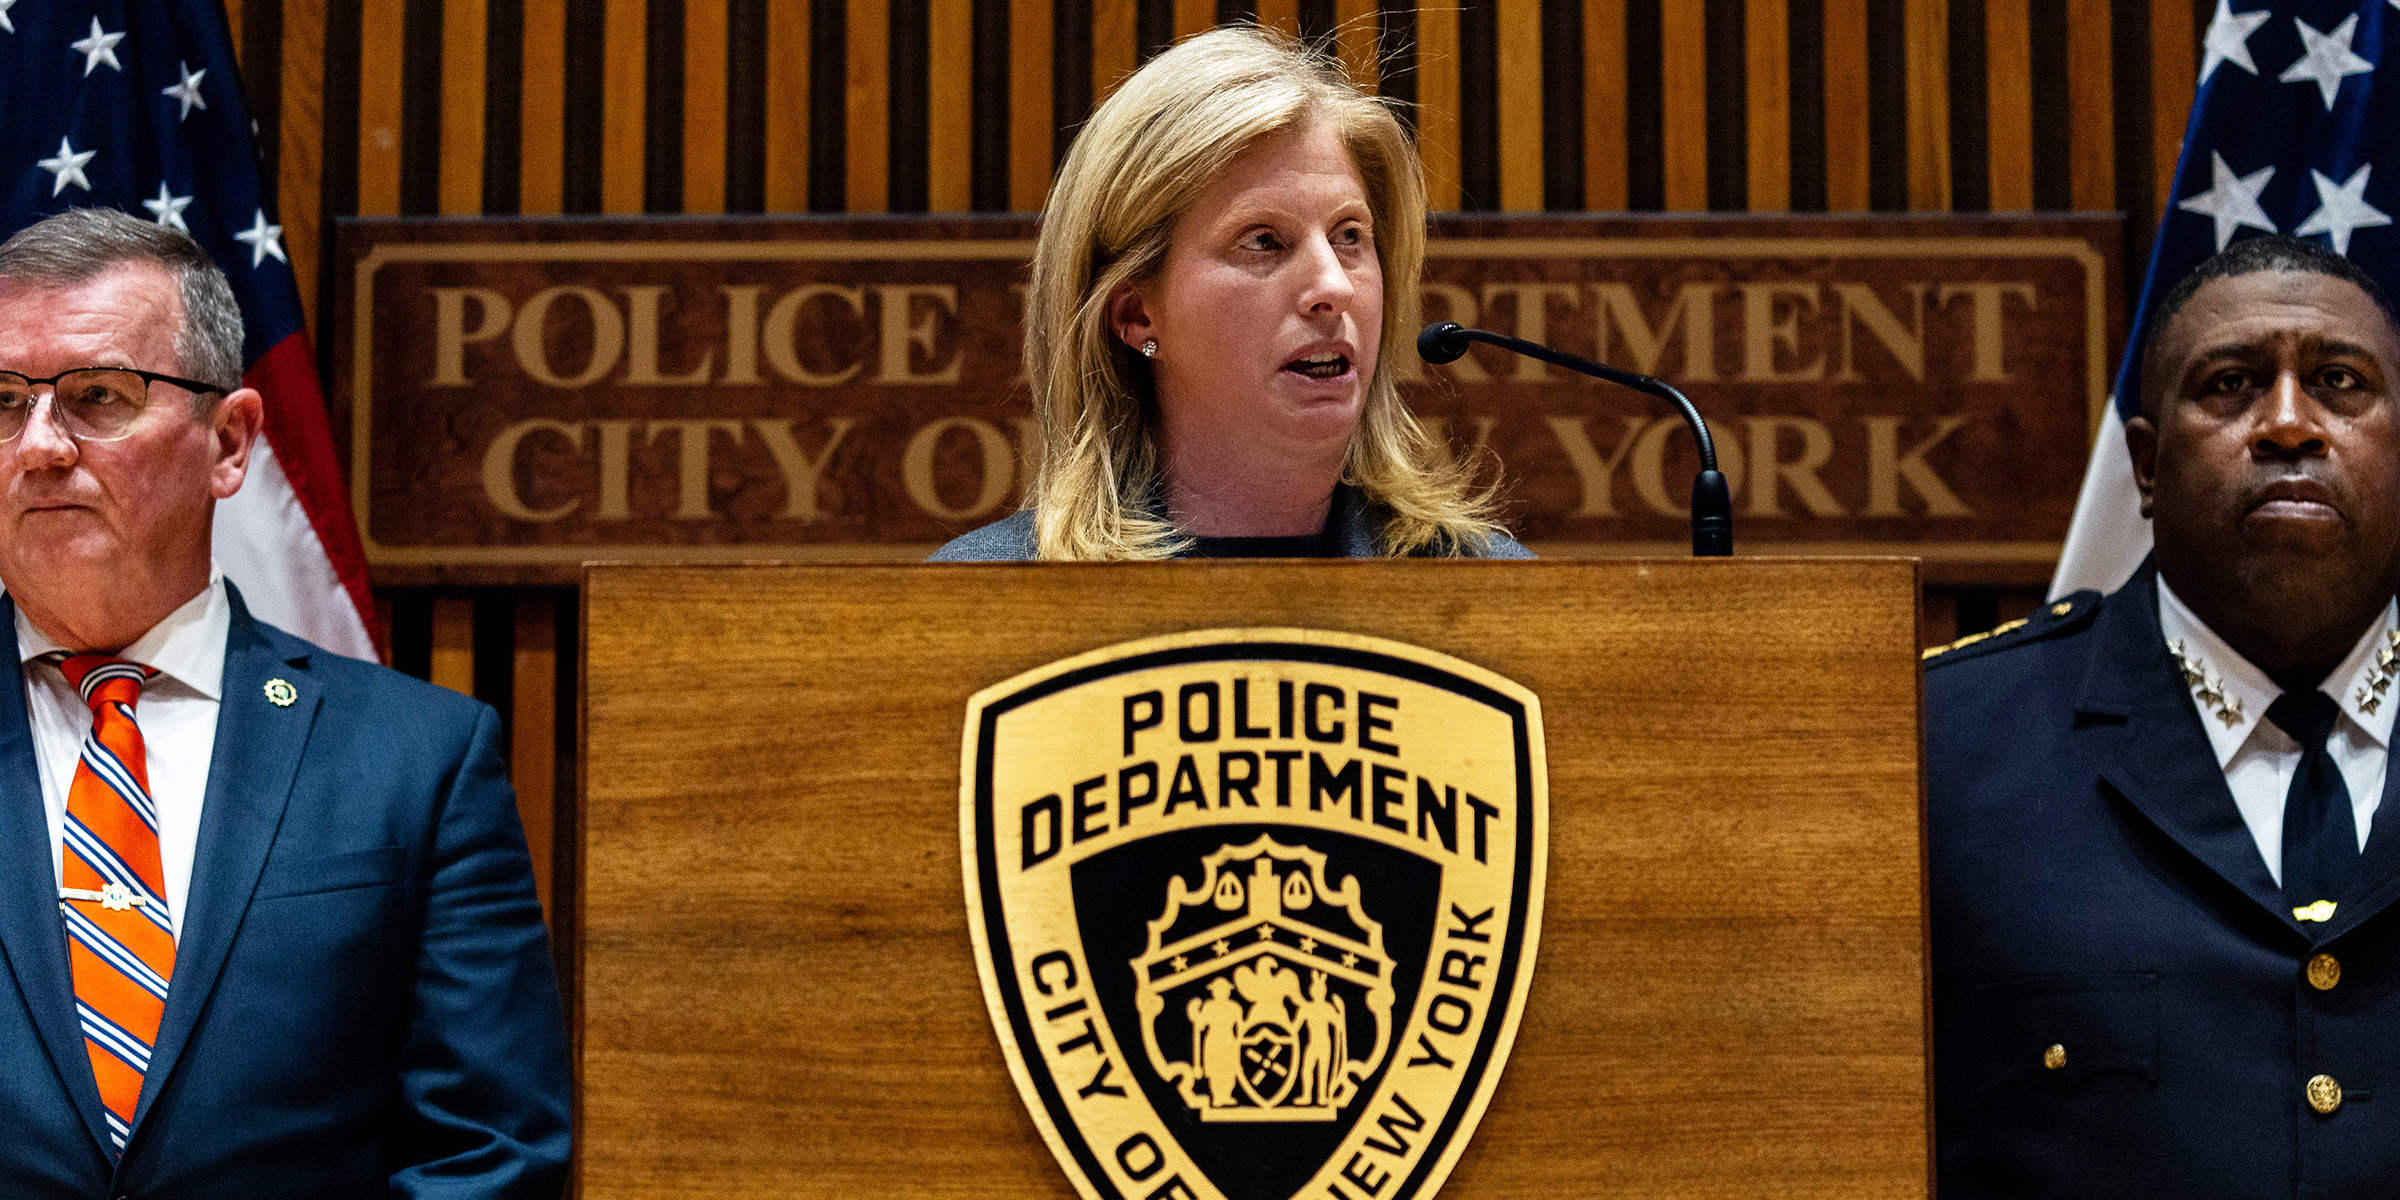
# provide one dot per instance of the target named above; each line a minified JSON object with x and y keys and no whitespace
{"x":2207,"y":686}
{"x":2378,"y":679}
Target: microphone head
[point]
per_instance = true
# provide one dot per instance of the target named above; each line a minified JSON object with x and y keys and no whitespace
{"x":1442,"y":342}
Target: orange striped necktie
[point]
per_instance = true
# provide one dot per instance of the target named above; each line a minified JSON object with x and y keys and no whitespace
{"x":120,"y":944}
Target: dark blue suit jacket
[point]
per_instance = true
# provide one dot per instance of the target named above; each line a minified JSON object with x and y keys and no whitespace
{"x":2094,"y":888}
{"x":363,"y":1003}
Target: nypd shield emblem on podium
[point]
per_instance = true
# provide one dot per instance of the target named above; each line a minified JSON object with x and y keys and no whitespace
{"x":1255,"y":909}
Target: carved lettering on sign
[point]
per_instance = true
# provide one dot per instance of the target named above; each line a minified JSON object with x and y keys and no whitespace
{"x":515,"y":405}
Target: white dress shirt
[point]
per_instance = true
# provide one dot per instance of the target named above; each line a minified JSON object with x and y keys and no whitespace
{"x":177,"y":716}
{"x":2259,"y":759}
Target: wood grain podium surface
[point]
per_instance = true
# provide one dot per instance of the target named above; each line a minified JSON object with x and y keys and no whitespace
{"x":779,"y":994}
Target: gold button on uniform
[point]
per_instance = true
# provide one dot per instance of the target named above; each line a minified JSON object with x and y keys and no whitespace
{"x":2324,"y":1095}
{"x":2324,"y":971}
{"x":2054,"y":1057}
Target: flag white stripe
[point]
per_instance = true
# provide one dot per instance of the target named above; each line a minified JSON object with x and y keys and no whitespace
{"x":266,"y":545}
{"x":2109,"y":537}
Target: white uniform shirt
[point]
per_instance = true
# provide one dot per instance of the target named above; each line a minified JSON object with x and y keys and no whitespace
{"x":177,"y":716}
{"x":2259,"y":759}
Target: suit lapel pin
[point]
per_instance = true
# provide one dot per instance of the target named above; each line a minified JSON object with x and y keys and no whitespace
{"x":281,"y":693}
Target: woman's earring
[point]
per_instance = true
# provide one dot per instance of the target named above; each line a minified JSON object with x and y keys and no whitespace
{"x":1150,"y":348}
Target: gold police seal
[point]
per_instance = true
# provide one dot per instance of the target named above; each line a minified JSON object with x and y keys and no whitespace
{"x":1255,"y":909}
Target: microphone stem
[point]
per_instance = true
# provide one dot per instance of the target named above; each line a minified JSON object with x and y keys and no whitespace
{"x":1712,"y":503}
{"x":1640,"y":383}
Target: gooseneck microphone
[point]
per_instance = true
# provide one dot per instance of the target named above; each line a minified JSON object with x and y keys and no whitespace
{"x":1712,"y":501}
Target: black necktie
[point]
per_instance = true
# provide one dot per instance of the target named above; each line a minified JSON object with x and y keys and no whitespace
{"x":2320,"y":836}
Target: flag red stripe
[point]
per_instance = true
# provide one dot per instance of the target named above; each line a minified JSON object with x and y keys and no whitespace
{"x":303,"y":440}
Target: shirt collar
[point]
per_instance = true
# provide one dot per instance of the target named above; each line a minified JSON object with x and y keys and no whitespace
{"x":188,"y":646}
{"x":2244,"y":692}
{"x":2363,"y":684}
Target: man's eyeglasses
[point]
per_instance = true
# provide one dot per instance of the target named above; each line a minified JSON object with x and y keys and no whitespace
{"x":93,"y":404}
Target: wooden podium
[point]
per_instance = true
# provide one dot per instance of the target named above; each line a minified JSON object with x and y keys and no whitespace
{"x":779,"y":995}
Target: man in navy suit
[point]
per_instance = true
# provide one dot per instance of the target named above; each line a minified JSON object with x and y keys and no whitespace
{"x":2164,"y":845}
{"x":267,"y":922}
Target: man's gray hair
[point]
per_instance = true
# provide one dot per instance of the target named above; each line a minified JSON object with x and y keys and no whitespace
{"x":82,"y":243}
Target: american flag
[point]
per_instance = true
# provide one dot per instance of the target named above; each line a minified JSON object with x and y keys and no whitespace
{"x":2295,"y":130}
{"x":136,"y":105}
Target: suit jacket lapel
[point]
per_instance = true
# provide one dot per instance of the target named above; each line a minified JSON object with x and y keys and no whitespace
{"x":250,"y":774}
{"x":2155,"y":753}
{"x":2376,"y":882}
{"x":32,"y":938}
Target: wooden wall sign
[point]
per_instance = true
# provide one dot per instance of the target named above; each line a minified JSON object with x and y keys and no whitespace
{"x":1255,"y":909}
{"x":523,"y":395}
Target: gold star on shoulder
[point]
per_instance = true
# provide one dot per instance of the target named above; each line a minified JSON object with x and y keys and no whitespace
{"x":2207,"y":686}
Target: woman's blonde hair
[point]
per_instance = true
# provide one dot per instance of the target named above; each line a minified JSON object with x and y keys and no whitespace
{"x":1138,"y":165}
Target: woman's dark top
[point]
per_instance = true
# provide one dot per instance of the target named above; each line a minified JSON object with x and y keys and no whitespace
{"x":1320,"y":544}
{"x":1351,"y":526}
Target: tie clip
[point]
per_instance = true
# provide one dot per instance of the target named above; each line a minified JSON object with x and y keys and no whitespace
{"x":2322,"y":910}
{"x":115,"y":897}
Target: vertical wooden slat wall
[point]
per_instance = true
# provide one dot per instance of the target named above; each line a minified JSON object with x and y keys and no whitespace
{"x":1767,"y":84}
{"x":507,"y":107}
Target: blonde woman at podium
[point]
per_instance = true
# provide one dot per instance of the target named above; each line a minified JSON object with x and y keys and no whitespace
{"x":1234,"y":239}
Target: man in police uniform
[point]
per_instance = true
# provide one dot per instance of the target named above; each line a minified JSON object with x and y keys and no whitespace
{"x":2162,"y":860}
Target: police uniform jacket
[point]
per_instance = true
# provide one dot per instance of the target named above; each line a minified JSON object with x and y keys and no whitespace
{"x":2124,"y":1004}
